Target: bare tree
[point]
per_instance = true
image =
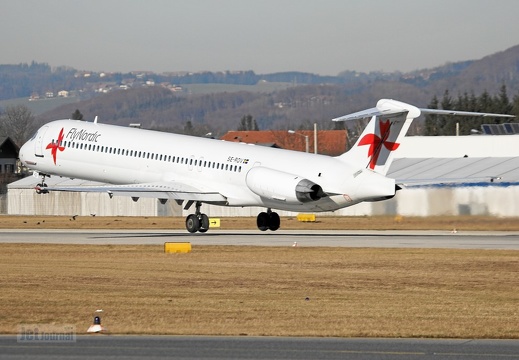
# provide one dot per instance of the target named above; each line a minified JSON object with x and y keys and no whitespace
{"x":18,"y":123}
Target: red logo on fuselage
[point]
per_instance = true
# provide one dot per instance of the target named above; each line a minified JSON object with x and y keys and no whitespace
{"x":55,"y":146}
{"x":376,"y":142}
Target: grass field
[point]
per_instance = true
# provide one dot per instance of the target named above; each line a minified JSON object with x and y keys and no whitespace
{"x":236,"y":290}
{"x":263,"y":291}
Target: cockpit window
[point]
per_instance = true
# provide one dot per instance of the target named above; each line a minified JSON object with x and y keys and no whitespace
{"x":34,"y":136}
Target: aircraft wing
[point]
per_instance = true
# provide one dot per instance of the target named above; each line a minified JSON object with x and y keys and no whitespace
{"x":160,"y":190}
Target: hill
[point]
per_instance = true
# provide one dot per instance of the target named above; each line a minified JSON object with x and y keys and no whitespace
{"x":299,"y":101}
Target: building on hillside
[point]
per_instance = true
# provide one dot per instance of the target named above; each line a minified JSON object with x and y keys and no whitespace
{"x":329,"y":142}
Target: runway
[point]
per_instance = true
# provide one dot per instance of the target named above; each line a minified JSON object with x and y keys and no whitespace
{"x":328,"y":238}
{"x":257,"y":348}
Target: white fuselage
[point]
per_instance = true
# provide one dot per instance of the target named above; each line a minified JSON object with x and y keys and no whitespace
{"x":123,"y":155}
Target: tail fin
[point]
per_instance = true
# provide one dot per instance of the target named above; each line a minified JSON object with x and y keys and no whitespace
{"x":390,"y":120}
{"x":375,"y":147}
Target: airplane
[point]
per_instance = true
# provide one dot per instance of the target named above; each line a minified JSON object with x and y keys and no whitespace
{"x":193,"y":170}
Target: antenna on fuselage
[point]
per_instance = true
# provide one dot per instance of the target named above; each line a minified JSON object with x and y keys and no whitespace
{"x":95,"y":120}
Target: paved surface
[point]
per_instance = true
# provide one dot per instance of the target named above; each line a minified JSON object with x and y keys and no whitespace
{"x":357,"y":238}
{"x":173,"y":347}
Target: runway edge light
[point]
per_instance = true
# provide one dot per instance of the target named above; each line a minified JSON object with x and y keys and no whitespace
{"x":96,"y":327}
{"x":177,"y":247}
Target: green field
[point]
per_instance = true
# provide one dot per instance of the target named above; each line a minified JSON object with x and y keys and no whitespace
{"x":38,"y":107}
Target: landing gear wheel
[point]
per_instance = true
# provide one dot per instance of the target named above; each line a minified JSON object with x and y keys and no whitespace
{"x":274,"y":221}
{"x":204,"y":223}
{"x":192,"y":223}
{"x":263,"y":221}
{"x":268,"y":221}
{"x":197,"y":221}
{"x":40,"y":188}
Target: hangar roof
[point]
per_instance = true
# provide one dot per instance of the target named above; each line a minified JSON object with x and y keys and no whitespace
{"x":497,"y":171}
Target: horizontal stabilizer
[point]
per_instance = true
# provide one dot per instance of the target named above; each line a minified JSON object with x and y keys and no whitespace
{"x":391,"y":108}
{"x":462,"y":113}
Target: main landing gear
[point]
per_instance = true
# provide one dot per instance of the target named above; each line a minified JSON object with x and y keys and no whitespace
{"x":268,"y":220}
{"x":41,"y":187}
{"x":197,"y":221}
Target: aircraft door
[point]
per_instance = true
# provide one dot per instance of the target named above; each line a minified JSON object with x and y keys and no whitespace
{"x":38,"y":143}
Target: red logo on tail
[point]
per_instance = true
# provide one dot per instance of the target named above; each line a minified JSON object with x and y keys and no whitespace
{"x":375,"y":142}
{"x":55,"y":146}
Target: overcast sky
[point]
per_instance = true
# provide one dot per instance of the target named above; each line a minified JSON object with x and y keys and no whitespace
{"x":318,"y":36}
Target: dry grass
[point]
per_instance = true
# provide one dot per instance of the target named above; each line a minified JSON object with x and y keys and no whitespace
{"x":262,"y":291}
{"x":288,"y":223}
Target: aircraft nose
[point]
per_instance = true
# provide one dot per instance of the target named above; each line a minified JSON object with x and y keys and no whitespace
{"x":25,"y":154}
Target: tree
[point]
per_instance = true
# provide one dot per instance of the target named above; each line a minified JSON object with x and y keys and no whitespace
{"x":76,"y":115}
{"x":446,"y":126}
{"x":248,"y":123}
{"x":188,"y":128}
{"x":17,"y":122}
{"x":485,"y":102}
{"x":502,"y":103}
{"x":467,"y":103}
{"x":431,"y":121}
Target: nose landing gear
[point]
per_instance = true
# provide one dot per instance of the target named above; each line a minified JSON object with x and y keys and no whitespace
{"x":41,"y":187}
